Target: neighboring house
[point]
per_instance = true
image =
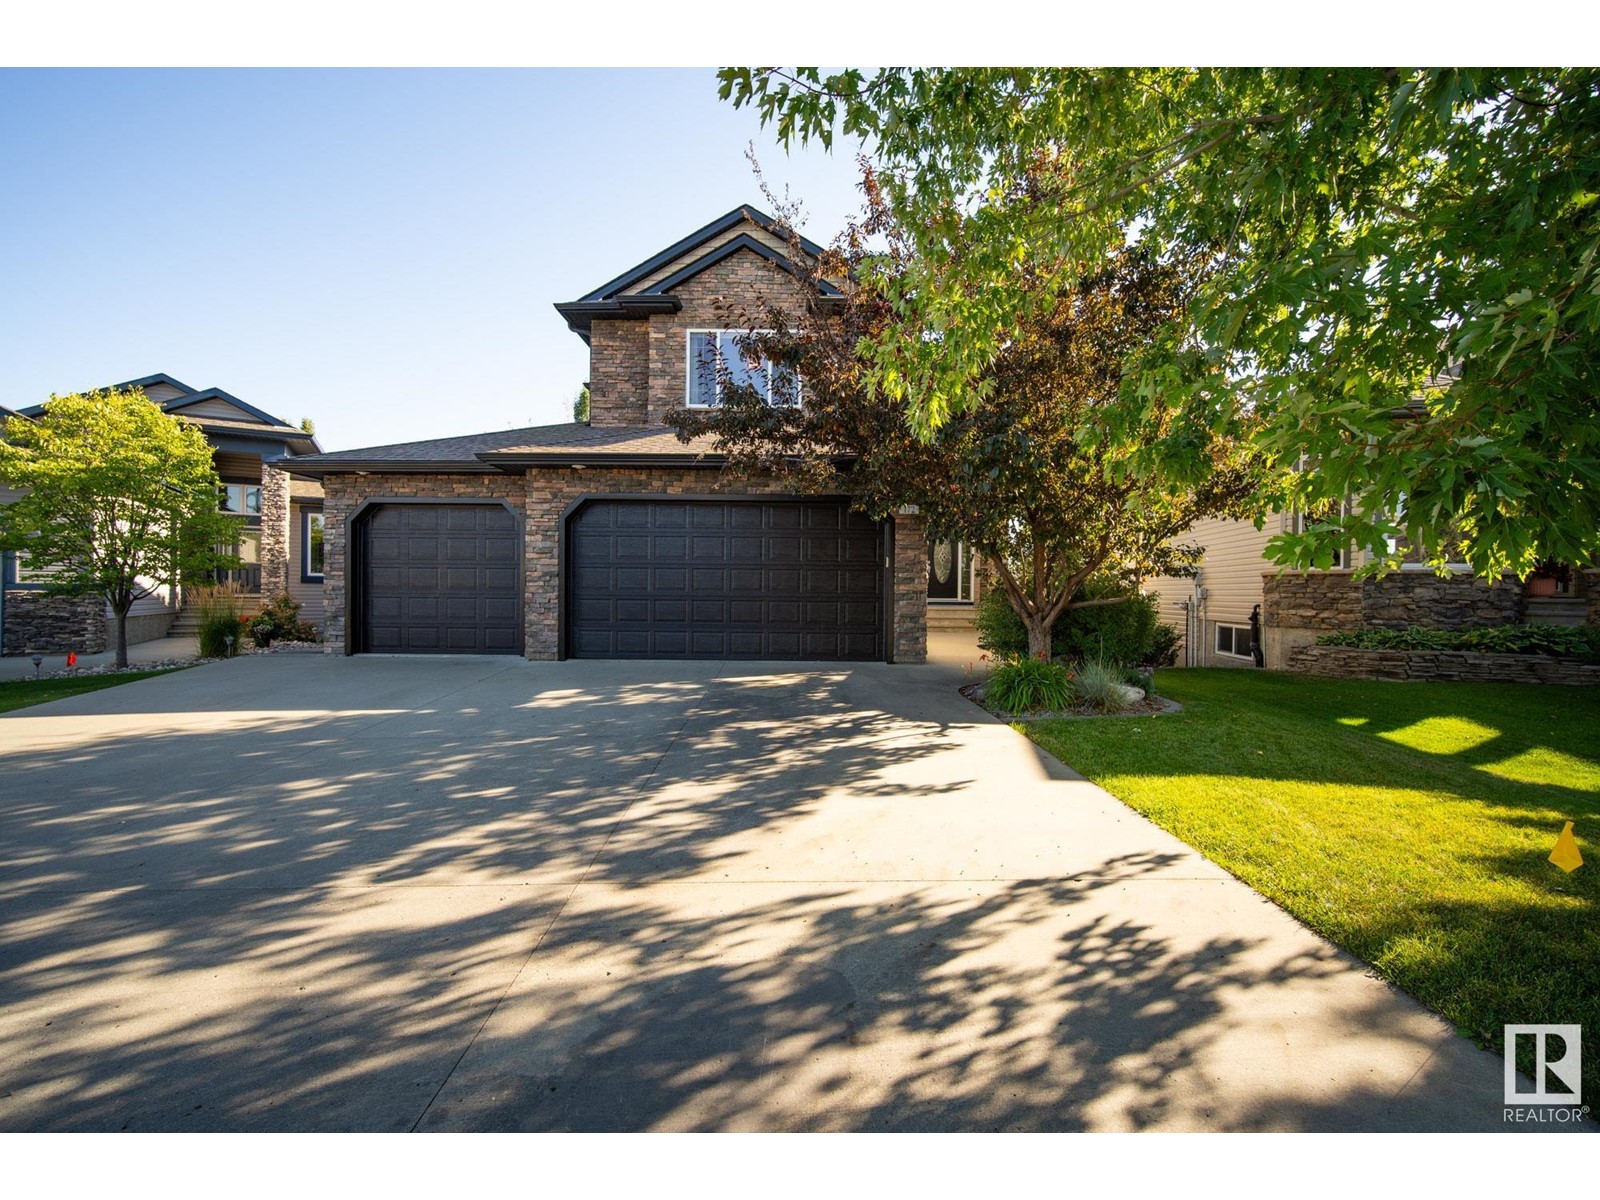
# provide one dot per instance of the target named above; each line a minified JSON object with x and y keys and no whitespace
{"x":280,"y":530}
{"x":613,"y":539}
{"x":1242,"y":610}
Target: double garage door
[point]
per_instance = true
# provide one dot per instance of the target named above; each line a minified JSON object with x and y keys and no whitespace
{"x":643,"y":579}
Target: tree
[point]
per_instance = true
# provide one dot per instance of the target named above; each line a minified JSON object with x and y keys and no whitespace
{"x":1015,"y":477}
{"x":119,"y":499}
{"x":1407,"y":292}
{"x":580,"y":405}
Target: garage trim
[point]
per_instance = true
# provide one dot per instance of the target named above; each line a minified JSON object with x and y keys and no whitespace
{"x":563,"y":539}
{"x":354,"y":573}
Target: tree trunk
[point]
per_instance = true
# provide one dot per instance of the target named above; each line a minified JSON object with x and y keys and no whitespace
{"x":122,"y":636}
{"x":1039,"y":640}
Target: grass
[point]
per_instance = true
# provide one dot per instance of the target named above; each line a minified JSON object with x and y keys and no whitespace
{"x":1411,"y":823}
{"x":21,"y":693}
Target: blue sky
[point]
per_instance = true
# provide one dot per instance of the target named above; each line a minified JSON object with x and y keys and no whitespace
{"x":378,"y":250}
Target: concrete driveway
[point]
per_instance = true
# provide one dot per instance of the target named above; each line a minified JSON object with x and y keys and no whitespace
{"x":389,"y":894}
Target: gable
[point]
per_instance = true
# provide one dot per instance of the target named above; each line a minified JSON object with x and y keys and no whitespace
{"x":745,"y":233}
{"x":216,"y":408}
{"x":216,"y":404}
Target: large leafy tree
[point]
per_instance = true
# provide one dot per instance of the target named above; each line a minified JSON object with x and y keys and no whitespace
{"x":1407,"y":282}
{"x":1017,"y":477}
{"x":119,"y":499}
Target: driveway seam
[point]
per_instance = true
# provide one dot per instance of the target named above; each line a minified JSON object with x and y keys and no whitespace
{"x":633,"y":798}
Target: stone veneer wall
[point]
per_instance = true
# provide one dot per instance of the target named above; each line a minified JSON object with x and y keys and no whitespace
{"x":1347,"y":662}
{"x":1335,"y":601}
{"x":1297,"y":607}
{"x":910,"y":588}
{"x":746,"y":281}
{"x":542,"y":496}
{"x":274,"y":532}
{"x":1591,"y":597}
{"x":619,"y":372}
{"x":39,"y":623}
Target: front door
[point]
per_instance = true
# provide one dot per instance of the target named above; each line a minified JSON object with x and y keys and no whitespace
{"x":947,"y":562}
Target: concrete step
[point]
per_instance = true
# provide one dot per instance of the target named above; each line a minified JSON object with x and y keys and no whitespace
{"x":953,"y":616}
{"x":1557,"y":610}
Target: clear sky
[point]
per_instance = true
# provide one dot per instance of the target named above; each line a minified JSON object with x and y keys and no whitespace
{"x":378,"y":250}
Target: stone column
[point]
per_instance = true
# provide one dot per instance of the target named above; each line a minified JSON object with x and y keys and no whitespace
{"x":910,"y":588}
{"x":274,"y":532}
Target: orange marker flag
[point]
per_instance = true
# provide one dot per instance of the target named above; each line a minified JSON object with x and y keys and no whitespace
{"x":1566,"y":855}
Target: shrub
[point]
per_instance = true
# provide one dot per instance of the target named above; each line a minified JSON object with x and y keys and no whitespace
{"x":279,"y":621}
{"x":219,"y":609}
{"x":1023,"y":685}
{"x":1557,"y":640}
{"x":1100,"y":685}
{"x":1130,"y":633}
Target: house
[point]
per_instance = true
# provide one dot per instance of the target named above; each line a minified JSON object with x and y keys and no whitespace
{"x":1243,"y":610}
{"x":280,"y":529}
{"x":613,"y":539}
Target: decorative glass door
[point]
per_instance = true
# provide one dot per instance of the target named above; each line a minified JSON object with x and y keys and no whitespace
{"x":949,"y":572}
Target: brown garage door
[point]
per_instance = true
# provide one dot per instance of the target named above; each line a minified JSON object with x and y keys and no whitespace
{"x":724,"y":579}
{"x":439,"y":579}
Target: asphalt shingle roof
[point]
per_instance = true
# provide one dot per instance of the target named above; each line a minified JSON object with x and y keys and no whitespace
{"x":481,"y":451}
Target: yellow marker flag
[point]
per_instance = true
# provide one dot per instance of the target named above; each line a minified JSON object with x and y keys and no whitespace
{"x":1566,"y":855}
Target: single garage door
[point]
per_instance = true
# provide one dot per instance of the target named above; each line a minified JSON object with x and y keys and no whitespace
{"x":439,"y":579}
{"x":724,"y":579}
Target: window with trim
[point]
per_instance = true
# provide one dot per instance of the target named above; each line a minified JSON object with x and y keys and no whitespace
{"x":1330,"y":514}
{"x":311,"y":546}
{"x":717,"y":362}
{"x":1234,"y":640}
{"x":24,"y":574}
{"x":242,"y":499}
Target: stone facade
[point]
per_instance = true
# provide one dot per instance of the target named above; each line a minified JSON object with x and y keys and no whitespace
{"x":731,"y":294}
{"x":274,"y":531}
{"x":1347,"y":662}
{"x":542,"y":496}
{"x":44,"y":624}
{"x":1591,"y":597}
{"x":910,"y":588}
{"x":619,"y":373}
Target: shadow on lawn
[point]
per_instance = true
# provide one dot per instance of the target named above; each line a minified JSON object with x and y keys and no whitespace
{"x":1461,"y":906}
{"x":304,"y":924}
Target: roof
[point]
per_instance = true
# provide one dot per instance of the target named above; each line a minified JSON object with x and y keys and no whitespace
{"x":631,"y":295}
{"x":570,"y":444}
{"x":264,"y":425}
{"x":728,"y":220}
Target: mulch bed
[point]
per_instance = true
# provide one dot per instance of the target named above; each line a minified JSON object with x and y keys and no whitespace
{"x":1151,"y":706}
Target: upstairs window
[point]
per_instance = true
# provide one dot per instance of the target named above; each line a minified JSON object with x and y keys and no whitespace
{"x":241,"y":499}
{"x":717,"y":362}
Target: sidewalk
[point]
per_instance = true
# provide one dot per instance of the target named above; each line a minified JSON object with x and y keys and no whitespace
{"x":20,"y":666}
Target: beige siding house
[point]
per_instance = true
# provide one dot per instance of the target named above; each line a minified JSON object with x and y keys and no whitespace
{"x":246,"y":443}
{"x":1212,"y":611}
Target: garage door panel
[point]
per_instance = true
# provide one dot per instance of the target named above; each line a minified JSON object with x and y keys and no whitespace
{"x":747,"y":579}
{"x":440,"y":579}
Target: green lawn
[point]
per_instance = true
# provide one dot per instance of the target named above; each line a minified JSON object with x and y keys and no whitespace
{"x":20,"y":693}
{"x":1408,"y":822}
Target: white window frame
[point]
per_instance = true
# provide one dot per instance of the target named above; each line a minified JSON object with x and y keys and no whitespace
{"x":307,"y":575}
{"x":244,"y":493}
{"x":1216,"y":641}
{"x":689,"y":368}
